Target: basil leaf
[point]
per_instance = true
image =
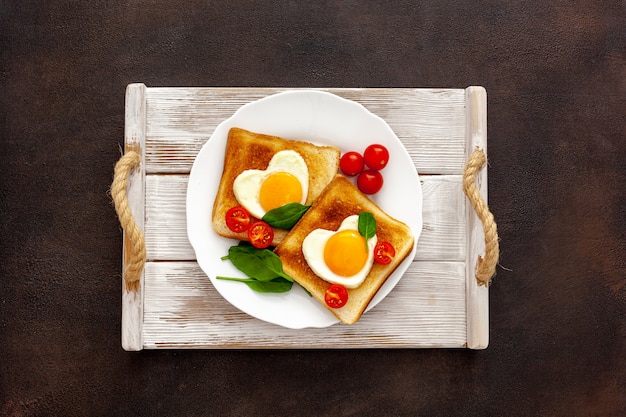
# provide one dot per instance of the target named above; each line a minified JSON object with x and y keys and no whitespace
{"x":285,"y":217}
{"x":278,"y":285}
{"x":367,"y":224}
{"x":261,"y":264}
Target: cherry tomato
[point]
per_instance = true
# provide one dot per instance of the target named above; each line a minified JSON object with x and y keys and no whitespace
{"x":384,"y":253}
{"x":336,"y":296}
{"x":260,"y":234}
{"x":351,"y":163}
{"x":370,"y":181}
{"x":376,"y":156}
{"x":238,"y":219}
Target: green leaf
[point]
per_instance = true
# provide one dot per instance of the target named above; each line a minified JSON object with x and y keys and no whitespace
{"x":261,"y":264}
{"x":285,"y":217}
{"x":273,"y":263}
{"x":367,"y":224}
{"x":278,"y":285}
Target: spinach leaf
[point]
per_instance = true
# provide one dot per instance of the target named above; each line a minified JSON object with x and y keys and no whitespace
{"x":260,"y":264}
{"x":277,"y":285}
{"x":285,"y":217}
{"x":367,"y":224}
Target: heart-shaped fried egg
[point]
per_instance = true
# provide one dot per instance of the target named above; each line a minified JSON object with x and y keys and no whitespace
{"x":285,"y":180}
{"x":342,"y":256}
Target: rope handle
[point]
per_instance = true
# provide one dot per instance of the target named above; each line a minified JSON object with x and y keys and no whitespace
{"x":134,"y":266}
{"x":485,"y":267}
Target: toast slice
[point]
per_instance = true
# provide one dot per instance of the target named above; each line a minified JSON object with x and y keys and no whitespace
{"x":249,"y":150}
{"x":341,"y":199}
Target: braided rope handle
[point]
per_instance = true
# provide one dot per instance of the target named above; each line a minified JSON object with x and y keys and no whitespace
{"x":485,"y":267}
{"x":123,"y":167}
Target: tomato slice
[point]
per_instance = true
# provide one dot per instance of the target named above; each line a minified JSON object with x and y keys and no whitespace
{"x":260,"y":234}
{"x":384,"y":253}
{"x":238,"y":219}
{"x":336,"y":296}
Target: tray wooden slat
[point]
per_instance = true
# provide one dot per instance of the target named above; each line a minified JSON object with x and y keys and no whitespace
{"x":182,"y":310}
{"x":436,"y":304}
{"x":182,"y":119}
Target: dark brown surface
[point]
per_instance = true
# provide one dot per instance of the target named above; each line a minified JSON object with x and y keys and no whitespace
{"x":555,"y":73}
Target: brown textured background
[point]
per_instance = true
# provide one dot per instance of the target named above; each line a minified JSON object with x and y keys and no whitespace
{"x":555,"y":73}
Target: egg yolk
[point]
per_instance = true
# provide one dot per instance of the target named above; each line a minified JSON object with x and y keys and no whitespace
{"x":278,"y":189}
{"x":345,"y":253}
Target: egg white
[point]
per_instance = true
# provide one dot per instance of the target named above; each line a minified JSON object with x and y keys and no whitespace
{"x":313,"y":251}
{"x":247,"y":185}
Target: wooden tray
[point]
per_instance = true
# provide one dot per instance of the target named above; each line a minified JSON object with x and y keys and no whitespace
{"x":437,"y":303}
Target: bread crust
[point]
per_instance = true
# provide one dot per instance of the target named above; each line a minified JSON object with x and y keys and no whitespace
{"x":341,"y":199}
{"x":250,"y":150}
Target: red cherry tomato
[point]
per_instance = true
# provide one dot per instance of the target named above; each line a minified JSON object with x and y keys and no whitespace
{"x":384,"y":253}
{"x":336,"y":296}
{"x":376,"y":156}
{"x":260,"y":234}
{"x":351,"y":163}
{"x":238,"y":219}
{"x":370,"y":181}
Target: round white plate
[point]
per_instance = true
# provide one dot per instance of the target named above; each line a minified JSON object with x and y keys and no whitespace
{"x":313,"y":116}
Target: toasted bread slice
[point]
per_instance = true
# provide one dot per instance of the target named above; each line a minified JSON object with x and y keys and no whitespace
{"x":341,"y":199}
{"x":248,"y":150}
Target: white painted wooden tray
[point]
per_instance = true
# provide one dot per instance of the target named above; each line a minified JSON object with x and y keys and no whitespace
{"x":437,"y":303}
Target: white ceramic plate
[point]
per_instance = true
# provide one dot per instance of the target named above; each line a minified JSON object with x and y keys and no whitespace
{"x":318,"y":117}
